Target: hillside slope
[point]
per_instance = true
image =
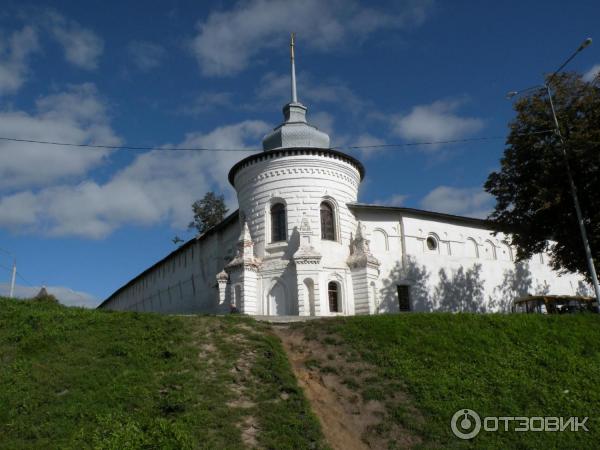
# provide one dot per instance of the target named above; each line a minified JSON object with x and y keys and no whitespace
{"x":417,"y":370}
{"x":74,"y":378}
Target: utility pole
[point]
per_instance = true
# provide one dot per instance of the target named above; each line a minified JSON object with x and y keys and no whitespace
{"x":580,"y":222}
{"x":573,"y":188}
{"x":12,"y":279}
{"x":13,"y":275}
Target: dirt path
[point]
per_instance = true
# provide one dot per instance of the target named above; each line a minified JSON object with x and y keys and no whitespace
{"x":333,"y":385}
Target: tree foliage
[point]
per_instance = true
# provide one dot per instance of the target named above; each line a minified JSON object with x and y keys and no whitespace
{"x":533,"y":197}
{"x":208,"y":212}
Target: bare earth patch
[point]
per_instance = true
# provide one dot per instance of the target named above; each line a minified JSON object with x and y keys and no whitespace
{"x":337,"y":387}
{"x":240,"y":374}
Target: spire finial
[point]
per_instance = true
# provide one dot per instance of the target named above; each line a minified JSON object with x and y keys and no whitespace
{"x":294,"y":94}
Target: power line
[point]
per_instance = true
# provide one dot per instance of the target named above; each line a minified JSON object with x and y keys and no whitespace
{"x":128,"y":147}
{"x":2,"y":266}
{"x":24,"y":280}
{"x":449,"y":141}
{"x":209,"y":149}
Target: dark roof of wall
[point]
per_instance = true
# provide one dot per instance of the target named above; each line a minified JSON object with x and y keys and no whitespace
{"x":219,"y":227}
{"x":294,"y":151}
{"x":482,"y":223}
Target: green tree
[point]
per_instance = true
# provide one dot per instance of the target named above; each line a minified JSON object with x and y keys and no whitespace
{"x":533,"y":197}
{"x":208,"y":212}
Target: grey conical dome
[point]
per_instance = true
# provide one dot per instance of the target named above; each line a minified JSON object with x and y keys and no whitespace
{"x":295,"y":131}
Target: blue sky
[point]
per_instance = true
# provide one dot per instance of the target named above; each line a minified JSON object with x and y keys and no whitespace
{"x":216,"y":74}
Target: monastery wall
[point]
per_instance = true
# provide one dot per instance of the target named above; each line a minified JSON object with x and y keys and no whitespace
{"x":185,"y":281}
{"x":469,"y":268}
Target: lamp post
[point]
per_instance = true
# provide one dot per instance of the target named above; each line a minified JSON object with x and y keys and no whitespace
{"x":573,"y":188}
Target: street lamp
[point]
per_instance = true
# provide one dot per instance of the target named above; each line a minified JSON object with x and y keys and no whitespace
{"x":584,"y":238}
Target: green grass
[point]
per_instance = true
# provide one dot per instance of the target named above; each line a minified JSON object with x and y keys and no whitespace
{"x":74,"y":378}
{"x":496,"y":365}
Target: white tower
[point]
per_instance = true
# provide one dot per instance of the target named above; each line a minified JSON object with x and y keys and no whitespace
{"x":283,"y":193}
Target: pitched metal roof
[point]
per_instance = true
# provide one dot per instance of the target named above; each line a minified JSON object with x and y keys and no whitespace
{"x":484,"y":223}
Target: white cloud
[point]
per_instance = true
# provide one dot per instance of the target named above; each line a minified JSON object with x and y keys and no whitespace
{"x":370,"y":145}
{"x":323,"y":121}
{"x":14,"y":55}
{"x":82,"y":46}
{"x":228,"y":39}
{"x":470,"y":202}
{"x":19,"y":209}
{"x":146,"y":55}
{"x":394,"y":200}
{"x":437,"y":121}
{"x":592,"y":73}
{"x":65,"y":295}
{"x":77,"y":115}
{"x":157,"y":186}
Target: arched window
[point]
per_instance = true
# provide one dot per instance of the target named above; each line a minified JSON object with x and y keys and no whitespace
{"x":472,"y":249}
{"x":327,"y":222}
{"x":333,"y":293}
{"x":278,"y":227}
{"x":379,"y":241}
{"x":489,"y":250}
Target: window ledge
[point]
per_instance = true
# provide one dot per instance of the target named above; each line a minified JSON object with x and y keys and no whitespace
{"x":276,"y":246}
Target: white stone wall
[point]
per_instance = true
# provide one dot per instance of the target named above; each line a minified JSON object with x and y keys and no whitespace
{"x":453,"y":277}
{"x":185,"y":281}
{"x":470,"y":269}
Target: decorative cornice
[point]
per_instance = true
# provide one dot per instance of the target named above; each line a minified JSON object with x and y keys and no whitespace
{"x":234,"y":266}
{"x":273,"y":154}
{"x":303,"y":170}
{"x":315,"y":260}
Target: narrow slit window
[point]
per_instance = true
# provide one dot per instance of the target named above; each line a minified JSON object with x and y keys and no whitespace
{"x":278,"y":226}
{"x":333,"y":291}
{"x":327,"y":222}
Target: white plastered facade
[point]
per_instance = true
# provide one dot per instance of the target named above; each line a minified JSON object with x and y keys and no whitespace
{"x":443,"y":262}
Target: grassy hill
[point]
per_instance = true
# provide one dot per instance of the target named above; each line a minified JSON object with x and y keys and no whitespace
{"x":424,"y":367}
{"x":74,"y":378}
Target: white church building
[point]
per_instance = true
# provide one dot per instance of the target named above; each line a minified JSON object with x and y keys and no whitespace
{"x":301,"y":244}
